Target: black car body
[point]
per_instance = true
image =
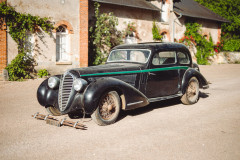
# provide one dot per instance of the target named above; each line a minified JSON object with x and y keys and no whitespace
{"x":133,"y":76}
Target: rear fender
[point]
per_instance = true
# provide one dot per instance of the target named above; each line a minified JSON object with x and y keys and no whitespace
{"x":193,"y":73}
{"x":131,"y":97}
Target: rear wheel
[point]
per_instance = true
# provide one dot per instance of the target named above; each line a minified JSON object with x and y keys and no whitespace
{"x":192,"y":92}
{"x":108,"y":109}
{"x":53,"y":111}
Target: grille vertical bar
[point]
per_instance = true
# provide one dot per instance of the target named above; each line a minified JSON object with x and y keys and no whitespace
{"x":65,"y":90}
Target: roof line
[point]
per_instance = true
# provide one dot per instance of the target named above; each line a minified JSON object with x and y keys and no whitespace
{"x":191,"y":8}
{"x":151,"y":7}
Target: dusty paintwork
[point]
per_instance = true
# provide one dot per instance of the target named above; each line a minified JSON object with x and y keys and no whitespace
{"x":161,"y":76}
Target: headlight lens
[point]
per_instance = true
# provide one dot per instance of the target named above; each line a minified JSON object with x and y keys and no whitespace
{"x":79,"y":84}
{"x":53,"y":82}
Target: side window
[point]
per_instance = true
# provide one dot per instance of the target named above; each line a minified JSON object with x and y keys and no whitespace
{"x":137,"y":56}
{"x":183,"y":58}
{"x":166,"y":57}
{"x":118,"y":55}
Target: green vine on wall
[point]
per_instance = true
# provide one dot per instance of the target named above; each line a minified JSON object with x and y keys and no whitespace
{"x":156,"y":32}
{"x":103,"y":36}
{"x":192,"y":36}
{"x":18,"y":25}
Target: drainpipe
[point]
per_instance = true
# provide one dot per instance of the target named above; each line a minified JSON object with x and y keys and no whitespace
{"x":180,"y":15}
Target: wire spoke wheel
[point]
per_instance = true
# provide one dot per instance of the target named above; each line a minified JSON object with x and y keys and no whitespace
{"x":108,"y":109}
{"x":192,"y":92}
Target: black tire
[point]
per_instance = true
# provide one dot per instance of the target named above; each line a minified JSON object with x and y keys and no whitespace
{"x":108,"y":109}
{"x":53,"y":111}
{"x":192,"y":92}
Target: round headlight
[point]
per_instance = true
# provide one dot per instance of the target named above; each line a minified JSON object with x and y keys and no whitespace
{"x":79,"y":84}
{"x":53,"y":82}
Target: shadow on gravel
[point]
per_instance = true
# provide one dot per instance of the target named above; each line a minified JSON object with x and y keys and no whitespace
{"x":156,"y":105}
{"x":150,"y":107}
{"x":142,"y":110}
{"x":203,"y":95}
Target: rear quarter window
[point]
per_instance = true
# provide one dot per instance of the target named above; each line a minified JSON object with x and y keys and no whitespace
{"x":183,"y":58}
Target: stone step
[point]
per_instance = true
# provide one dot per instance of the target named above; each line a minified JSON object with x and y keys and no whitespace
{"x":4,"y":75}
{"x":1,"y":77}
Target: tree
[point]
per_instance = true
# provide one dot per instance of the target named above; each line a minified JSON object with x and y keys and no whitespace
{"x":230,"y":10}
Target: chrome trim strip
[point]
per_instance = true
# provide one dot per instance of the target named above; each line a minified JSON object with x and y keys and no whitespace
{"x":130,"y":104}
{"x":164,"y":98}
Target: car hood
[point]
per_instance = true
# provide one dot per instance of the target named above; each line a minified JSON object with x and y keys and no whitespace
{"x":108,"y":69}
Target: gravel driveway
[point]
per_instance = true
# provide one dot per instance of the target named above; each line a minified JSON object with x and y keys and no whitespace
{"x":167,"y":130}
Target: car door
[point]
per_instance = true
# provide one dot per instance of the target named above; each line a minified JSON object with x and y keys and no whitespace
{"x":163,"y":75}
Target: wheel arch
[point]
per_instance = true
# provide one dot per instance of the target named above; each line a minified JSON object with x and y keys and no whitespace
{"x":120,"y":94}
{"x":193,"y":73}
{"x":47,"y":96}
{"x":127,"y":93}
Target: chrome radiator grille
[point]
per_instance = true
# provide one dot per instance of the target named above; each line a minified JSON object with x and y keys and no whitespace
{"x":65,"y":90}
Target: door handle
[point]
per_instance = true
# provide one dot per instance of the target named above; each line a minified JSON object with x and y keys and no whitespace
{"x":153,"y":74}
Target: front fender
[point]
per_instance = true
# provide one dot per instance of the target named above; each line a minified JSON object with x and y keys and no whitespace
{"x":133,"y":98}
{"x":193,"y":73}
{"x":47,"y":96}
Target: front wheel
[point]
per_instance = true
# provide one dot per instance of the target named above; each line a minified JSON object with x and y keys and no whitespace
{"x":192,"y":92}
{"x":53,"y":111}
{"x":108,"y":109}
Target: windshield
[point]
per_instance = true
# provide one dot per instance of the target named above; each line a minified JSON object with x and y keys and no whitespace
{"x":131,"y":55}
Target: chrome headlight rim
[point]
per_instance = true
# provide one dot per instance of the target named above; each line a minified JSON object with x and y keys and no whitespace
{"x":53,"y":82}
{"x":79,"y":84}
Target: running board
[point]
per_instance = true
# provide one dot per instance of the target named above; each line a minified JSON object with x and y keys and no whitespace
{"x":164,"y":98}
{"x":53,"y":121}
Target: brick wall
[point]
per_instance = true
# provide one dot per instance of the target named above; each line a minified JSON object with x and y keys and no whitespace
{"x":83,"y":12}
{"x":3,"y":48}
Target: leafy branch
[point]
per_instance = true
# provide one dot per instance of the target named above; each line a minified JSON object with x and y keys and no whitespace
{"x":18,"y":25}
{"x":103,"y":36}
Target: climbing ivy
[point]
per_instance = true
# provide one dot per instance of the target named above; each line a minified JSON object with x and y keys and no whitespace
{"x":18,"y":25}
{"x":192,"y":36}
{"x":156,"y":32}
{"x":103,"y":36}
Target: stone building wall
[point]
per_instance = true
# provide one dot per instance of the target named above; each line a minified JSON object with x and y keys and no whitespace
{"x":171,"y":25}
{"x":142,"y":18}
{"x":76,"y":14}
{"x":208,"y":28}
{"x":62,"y":12}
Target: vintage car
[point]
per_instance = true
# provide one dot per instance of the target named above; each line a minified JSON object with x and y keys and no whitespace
{"x":133,"y":76}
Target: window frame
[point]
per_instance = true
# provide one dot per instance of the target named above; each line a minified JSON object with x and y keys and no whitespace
{"x":129,"y":61}
{"x":59,"y":48}
{"x":175,"y":57}
{"x":187,"y":55}
{"x":29,"y":44}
